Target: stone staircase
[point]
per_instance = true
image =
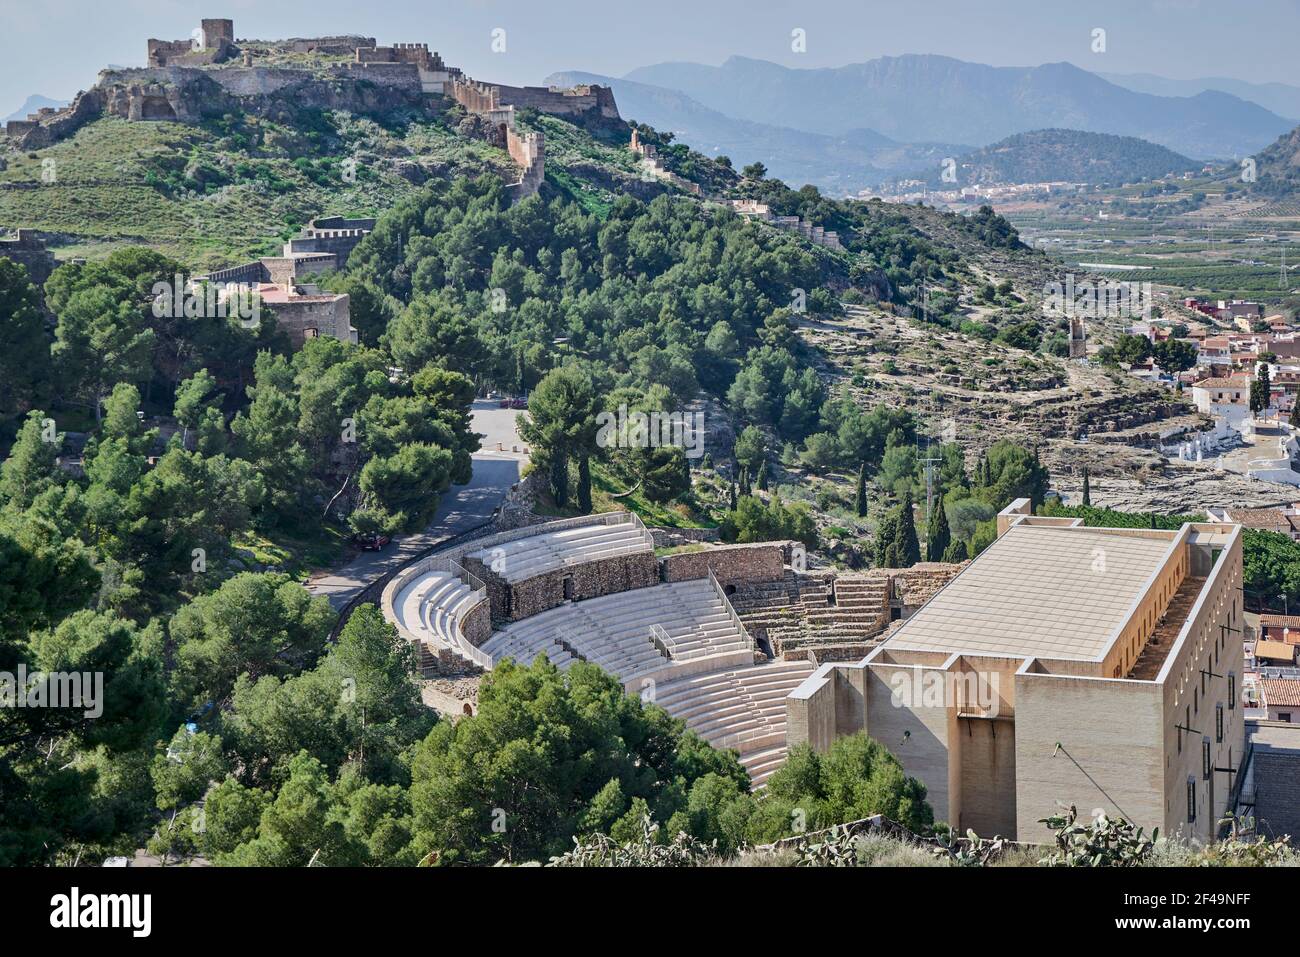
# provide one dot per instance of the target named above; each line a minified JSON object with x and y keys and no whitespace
{"x":860,"y":610}
{"x":771,"y":609}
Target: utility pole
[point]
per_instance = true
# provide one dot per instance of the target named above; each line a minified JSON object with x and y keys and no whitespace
{"x":929,"y":462}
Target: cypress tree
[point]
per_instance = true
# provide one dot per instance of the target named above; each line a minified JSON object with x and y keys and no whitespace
{"x":762,"y":476}
{"x":1038,"y":486}
{"x":955,"y":552}
{"x":885,"y":552}
{"x":1087,"y":488}
{"x":744,"y":481}
{"x":584,"y":484}
{"x":862,"y":490}
{"x":733,"y":496}
{"x":906,"y":546}
{"x":937,"y":534}
{"x":560,"y":479}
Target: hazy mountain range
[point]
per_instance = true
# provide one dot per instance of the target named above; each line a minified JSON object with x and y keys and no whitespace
{"x":919,"y":98}
{"x":857,"y":126}
{"x":1281,"y":98}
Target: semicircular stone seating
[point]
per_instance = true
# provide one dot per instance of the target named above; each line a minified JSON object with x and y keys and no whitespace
{"x":737,"y":705}
{"x":432,"y":605}
{"x":524,"y":558}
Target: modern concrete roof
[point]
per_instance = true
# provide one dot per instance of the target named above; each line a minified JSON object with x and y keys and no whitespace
{"x":1053,"y":592}
{"x":1279,"y":650}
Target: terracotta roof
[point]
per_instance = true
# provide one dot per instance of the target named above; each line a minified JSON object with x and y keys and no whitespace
{"x":1265,"y":518}
{"x":1234,"y":382}
{"x":1280,"y":621}
{"x":1281,"y":692}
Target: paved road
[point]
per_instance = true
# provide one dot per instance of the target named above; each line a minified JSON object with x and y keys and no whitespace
{"x":461,"y":508}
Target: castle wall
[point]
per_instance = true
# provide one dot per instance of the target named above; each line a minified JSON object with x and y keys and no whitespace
{"x":308,"y":316}
{"x":339,"y":243}
{"x":246,"y":273}
{"x":582,"y":99}
{"x":30,"y":253}
{"x":529,"y":151}
{"x":284,"y":270}
{"x":328,"y":46}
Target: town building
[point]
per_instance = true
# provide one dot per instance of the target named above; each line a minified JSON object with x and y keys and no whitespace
{"x":1284,"y":628}
{"x":1226,"y":396}
{"x":1280,"y":697}
{"x":1063,"y":666}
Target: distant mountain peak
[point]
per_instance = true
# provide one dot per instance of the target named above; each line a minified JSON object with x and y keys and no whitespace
{"x":33,"y":103}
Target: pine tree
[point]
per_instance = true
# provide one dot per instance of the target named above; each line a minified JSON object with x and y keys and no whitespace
{"x":937,"y":534}
{"x":1087,"y":488}
{"x":862,"y":491}
{"x":906,"y":546}
{"x":762,"y":476}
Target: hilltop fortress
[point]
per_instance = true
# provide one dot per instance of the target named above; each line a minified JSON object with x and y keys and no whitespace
{"x":212,"y":74}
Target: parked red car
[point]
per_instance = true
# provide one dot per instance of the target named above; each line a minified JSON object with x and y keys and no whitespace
{"x":370,"y":541}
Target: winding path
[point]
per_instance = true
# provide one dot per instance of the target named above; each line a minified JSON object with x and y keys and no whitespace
{"x":462,"y":507}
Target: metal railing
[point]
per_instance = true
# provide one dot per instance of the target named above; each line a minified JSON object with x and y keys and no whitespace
{"x":456,"y":641}
{"x":663,"y":642}
{"x":731,"y":612}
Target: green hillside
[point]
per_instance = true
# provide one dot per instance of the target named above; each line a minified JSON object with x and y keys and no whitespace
{"x":1075,"y":156}
{"x":235,"y":188}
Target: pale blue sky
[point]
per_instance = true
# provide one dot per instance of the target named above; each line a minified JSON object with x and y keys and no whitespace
{"x":55,"y":47}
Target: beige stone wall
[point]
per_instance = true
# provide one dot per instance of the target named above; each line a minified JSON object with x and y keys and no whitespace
{"x":1195,"y":682}
{"x":730,"y":563}
{"x":988,"y":776}
{"x":918,"y":736}
{"x":810,"y":710}
{"x":327,"y":315}
{"x":1111,"y":753}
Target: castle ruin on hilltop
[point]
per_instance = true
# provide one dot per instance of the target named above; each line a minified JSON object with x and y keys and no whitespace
{"x":213,"y":74}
